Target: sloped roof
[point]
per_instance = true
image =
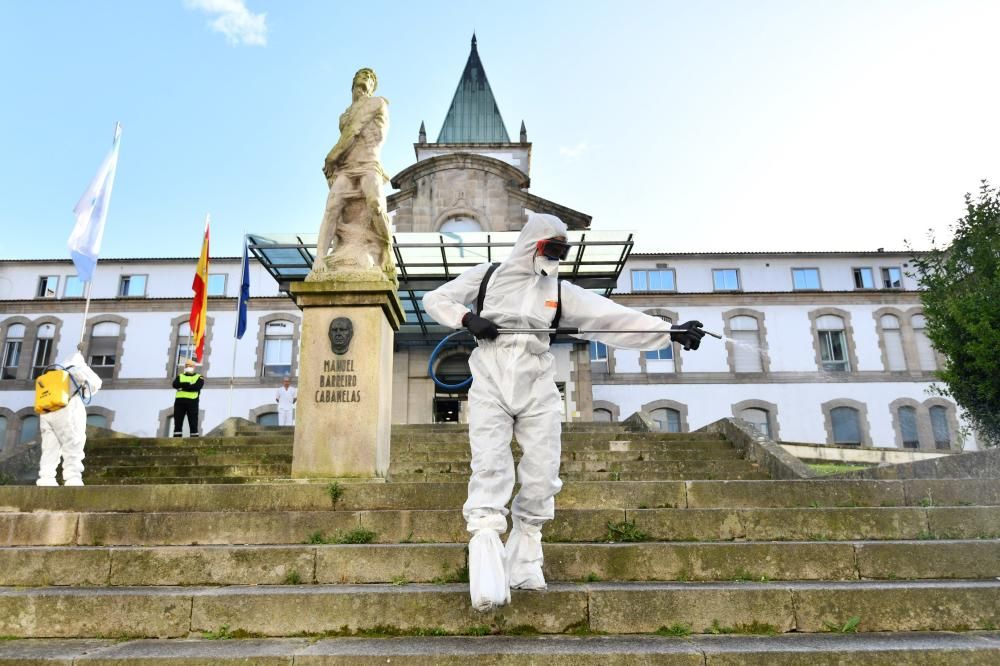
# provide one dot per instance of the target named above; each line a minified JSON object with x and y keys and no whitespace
{"x":473,"y":116}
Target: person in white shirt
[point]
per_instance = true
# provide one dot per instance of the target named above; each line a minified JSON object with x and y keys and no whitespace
{"x":286,"y":397}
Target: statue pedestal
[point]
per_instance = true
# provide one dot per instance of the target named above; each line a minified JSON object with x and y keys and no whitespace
{"x":344,"y":410}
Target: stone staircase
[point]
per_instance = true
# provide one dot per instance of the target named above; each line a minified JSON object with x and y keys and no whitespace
{"x":704,"y":562}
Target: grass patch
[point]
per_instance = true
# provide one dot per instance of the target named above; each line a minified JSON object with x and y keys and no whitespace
{"x":849,"y":627}
{"x":355,"y":536}
{"x":826,"y":469}
{"x":674,"y":630}
{"x":335,"y":491}
{"x":590,"y":578}
{"x":400,"y":580}
{"x":293,"y":578}
{"x":459,"y":575}
{"x":224,"y":633}
{"x":625,"y":532}
{"x":744,"y":576}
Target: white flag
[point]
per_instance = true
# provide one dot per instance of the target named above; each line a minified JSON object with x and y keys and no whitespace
{"x":91,"y":211}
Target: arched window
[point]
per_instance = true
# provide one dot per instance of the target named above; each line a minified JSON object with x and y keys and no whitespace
{"x":603,"y":416}
{"x":759,"y":419}
{"x":598,"y":351}
{"x":666,"y":419}
{"x":268,"y":419}
{"x":832,"y":343}
{"x":908,"y":427}
{"x":460,"y":223}
{"x":12,"y":351}
{"x":746,"y":344}
{"x":28,"y":430}
{"x":278,"y":348}
{"x":44,"y":343}
{"x":925,"y":351}
{"x":660,"y":360}
{"x":3,"y":432}
{"x":103,"y":348}
{"x":939,"y":425}
{"x":846,"y":426}
{"x":893,"y":341}
{"x":97,"y":420}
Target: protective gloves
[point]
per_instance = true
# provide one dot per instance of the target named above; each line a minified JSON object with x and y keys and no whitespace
{"x":480,"y":327}
{"x":690,"y":338}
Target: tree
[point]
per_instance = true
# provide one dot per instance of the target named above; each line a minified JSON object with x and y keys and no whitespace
{"x":961,"y":300}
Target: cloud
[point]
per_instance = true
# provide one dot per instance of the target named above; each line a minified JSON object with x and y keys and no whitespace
{"x":234,"y":20}
{"x":574,"y":152}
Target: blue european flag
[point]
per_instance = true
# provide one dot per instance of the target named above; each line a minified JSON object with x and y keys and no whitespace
{"x":241,"y":309}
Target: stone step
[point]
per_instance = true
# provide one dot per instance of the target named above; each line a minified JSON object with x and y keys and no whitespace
{"x":180,"y":471}
{"x":137,"y":452}
{"x":283,"y":611}
{"x":455,"y":477}
{"x":665,"y":467}
{"x":184,"y":480}
{"x":184,"y":442}
{"x":448,"y":526}
{"x":875,"y":649}
{"x":439,"y":563}
{"x":569,"y":442}
{"x":354,"y":495}
{"x":104,"y":461}
{"x":583,"y":456}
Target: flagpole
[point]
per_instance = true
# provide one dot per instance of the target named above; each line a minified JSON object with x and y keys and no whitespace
{"x":236,"y":326}
{"x":86,"y":312}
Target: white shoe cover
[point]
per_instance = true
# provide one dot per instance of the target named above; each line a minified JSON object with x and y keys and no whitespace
{"x":524,"y":557}
{"x":73,"y":482}
{"x":488,"y":587}
{"x":47,"y":482}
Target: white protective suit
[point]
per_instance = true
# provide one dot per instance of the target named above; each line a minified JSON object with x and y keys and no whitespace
{"x":64,"y":431}
{"x":514,"y":393}
{"x":286,"y":405}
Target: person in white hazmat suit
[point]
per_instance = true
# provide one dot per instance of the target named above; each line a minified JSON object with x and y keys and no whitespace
{"x":514,"y":392}
{"x":64,"y":431}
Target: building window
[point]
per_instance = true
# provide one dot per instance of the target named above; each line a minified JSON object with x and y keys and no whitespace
{"x":864,"y":278}
{"x":726,"y":279}
{"x":42,"y":356}
{"x":73,"y":287}
{"x":925,"y":351}
{"x":666,"y":419}
{"x":133,"y":286}
{"x":29,"y":429}
{"x":846,"y":426}
{"x":97,"y":420}
{"x":893,"y":340}
{"x":598,"y":351}
{"x":603,"y":416}
{"x":908,"y":427}
{"x":12,"y":351}
{"x":3,"y":433}
{"x":185,"y":345}
{"x":892,"y":278}
{"x":759,"y":419}
{"x":832,"y":343}
{"x":662,"y":279}
{"x":278,"y":348}
{"x":267,"y":419}
{"x":216,"y":284}
{"x":48,"y":286}
{"x":805,"y":278}
{"x":660,"y":360}
{"x":103,"y":348}
{"x":939,"y":426}
{"x":745,"y":335}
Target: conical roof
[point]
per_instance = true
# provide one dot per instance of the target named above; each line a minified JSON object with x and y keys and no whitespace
{"x":474,"y":116}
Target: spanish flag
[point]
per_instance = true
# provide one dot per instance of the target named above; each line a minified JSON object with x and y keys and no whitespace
{"x":199,"y":308}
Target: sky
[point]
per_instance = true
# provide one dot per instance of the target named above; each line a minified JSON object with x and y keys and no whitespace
{"x":700,"y":126}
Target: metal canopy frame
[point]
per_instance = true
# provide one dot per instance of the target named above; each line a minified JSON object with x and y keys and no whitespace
{"x":425,"y":261}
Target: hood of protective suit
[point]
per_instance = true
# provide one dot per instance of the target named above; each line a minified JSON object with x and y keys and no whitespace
{"x":522,"y":257}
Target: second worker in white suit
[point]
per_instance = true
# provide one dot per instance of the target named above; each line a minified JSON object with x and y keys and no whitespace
{"x":514,"y":393}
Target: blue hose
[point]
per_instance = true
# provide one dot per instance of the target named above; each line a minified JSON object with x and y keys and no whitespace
{"x":430,"y":366}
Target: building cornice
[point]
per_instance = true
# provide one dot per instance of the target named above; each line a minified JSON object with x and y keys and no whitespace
{"x":763,"y":298}
{"x":105,"y":305}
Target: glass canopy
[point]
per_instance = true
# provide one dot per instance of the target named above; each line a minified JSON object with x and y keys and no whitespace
{"x":425,"y":261}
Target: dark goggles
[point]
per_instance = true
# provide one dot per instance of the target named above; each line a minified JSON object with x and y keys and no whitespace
{"x":553,"y":248}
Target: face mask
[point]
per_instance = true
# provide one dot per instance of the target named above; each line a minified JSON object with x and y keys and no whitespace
{"x":546,"y":267}
{"x":188,"y":371}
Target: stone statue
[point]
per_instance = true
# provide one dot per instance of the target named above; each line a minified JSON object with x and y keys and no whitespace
{"x":341,"y":332}
{"x":355,"y":215}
